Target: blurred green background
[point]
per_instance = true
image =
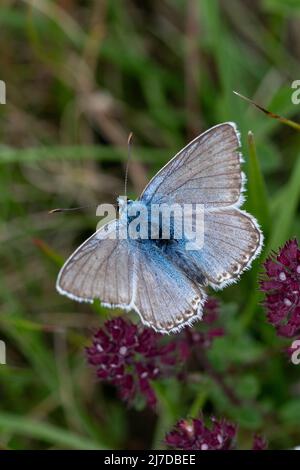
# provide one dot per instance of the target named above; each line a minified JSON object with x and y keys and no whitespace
{"x":80,"y":75}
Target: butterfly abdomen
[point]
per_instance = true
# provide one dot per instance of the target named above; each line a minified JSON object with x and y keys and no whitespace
{"x":180,"y":257}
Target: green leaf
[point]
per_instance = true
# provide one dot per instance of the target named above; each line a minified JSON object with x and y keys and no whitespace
{"x":278,"y":6}
{"x":290,"y":412}
{"x":247,"y":416}
{"x":97,"y":152}
{"x":286,"y":210}
{"x":258,"y":198}
{"x":240,"y":349}
{"x":45,"y":432}
{"x":247,"y":386}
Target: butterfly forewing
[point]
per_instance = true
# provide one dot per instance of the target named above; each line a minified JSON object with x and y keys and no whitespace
{"x":101,"y":268}
{"x":207,"y":171}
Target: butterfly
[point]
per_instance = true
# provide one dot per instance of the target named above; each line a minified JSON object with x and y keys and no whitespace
{"x":160,"y":279}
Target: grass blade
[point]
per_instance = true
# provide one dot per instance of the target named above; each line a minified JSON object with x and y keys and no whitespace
{"x":45,"y":432}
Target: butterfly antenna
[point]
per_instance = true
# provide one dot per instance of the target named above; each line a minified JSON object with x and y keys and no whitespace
{"x":128,"y":160}
{"x":71,"y":209}
{"x":284,"y":120}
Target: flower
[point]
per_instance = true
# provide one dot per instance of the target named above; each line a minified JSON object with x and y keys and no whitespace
{"x":130,"y":358}
{"x":281,"y":284}
{"x":211,"y":310}
{"x":194,"y":435}
{"x":259,"y":443}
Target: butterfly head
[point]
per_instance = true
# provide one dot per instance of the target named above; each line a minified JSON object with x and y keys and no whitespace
{"x":123,"y":202}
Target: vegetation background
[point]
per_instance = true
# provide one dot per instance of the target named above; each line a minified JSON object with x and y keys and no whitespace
{"x":80,"y":75}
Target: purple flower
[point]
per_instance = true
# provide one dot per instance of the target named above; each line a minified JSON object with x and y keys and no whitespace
{"x":259,"y":443}
{"x":194,"y":435}
{"x":211,"y":310}
{"x":130,"y":358}
{"x":281,"y":284}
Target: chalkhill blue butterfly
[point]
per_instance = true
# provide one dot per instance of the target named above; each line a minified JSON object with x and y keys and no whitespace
{"x":162,"y":276}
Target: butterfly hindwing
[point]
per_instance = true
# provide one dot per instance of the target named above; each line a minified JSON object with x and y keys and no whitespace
{"x":232,"y":239}
{"x":163,"y":296}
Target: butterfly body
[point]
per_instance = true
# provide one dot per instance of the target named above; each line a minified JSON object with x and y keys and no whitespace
{"x":184,"y":260}
{"x":151,"y":268}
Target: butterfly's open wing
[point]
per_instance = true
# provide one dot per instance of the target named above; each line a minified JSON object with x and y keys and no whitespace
{"x":207,"y":171}
{"x":164,"y":297}
{"x":101,"y":268}
{"x":131,"y":275}
{"x":232,"y":239}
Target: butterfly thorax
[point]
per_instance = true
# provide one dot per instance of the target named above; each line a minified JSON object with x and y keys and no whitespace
{"x":147,"y":222}
{"x":144,"y":226}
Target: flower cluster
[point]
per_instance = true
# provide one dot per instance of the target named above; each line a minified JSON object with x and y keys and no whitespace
{"x":195,"y":435}
{"x":281,"y":284}
{"x":211,"y":310}
{"x":130,"y":358}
